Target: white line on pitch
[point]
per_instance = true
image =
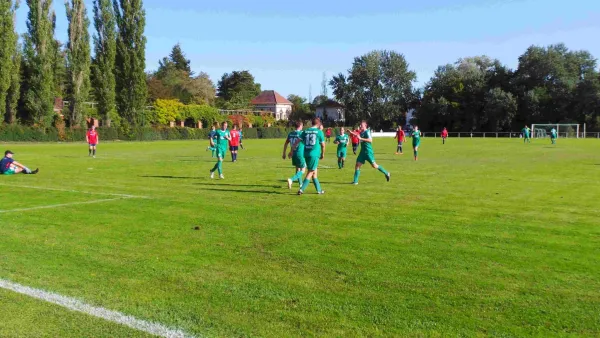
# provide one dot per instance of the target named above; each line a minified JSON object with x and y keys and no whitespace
{"x":68,"y":190}
{"x":74,"y":304}
{"x":62,"y":205}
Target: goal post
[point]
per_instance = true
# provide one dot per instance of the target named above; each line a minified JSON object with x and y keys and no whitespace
{"x":563,"y":130}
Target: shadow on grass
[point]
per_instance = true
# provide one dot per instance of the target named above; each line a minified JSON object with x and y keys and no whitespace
{"x":267,"y":192}
{"x":171,"y":177}
{"x":217,"y":184}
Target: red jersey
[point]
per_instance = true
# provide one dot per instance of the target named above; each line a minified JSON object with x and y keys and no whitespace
{"x":328,"y":133}
{"x":235,"y":138}
{"x":444,"y":133}
{"x":355,"y":139}
{"x":400,"y":135}
{"x":92,"y":137}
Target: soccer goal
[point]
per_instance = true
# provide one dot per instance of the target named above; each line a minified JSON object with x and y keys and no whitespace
{"x":569,"y":130}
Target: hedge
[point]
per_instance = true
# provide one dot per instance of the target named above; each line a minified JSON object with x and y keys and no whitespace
{"x":19,"y":133}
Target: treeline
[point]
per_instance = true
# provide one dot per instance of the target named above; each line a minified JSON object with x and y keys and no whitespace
{"x":551,"y":85}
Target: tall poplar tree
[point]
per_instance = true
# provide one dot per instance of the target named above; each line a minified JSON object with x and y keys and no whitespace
{"x":78,"y":59}
{"x":103,"y":66}
{"x":131,"y":60}
{"x":8,"y":52}
{"x":39,"y":55}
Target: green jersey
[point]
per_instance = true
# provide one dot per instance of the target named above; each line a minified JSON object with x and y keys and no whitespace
{"x":312,"y":139}
{"x":293,"y":137}
{"x":553,"y":133}
{"x":416,"y":135}
{"x":526,"y":132}
{"x":366,"y":147}
{"x":342,"y":141}
{"x":221,"y":138}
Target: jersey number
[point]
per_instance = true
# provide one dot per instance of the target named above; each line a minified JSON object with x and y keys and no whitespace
{"x":311,"y":140}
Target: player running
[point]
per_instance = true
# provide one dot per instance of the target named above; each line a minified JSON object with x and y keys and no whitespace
{"x":314,"y":150}
{"x":296,"y":155}
{"x":234,"y":144}
{"x":355,"y":140}
{"x":401,"y":139}
{"x":241,"y":138}
{"x":526,"y":134}
{"x":222,"y":137}
{"x":444,"y":135}
{"x":553,"y":135}
{"x":416,"y":141}
{"x":342,"y":145}
{"x":8,"y":166}
{"x":366,"y":153}
{"x":211,"y":139}
{"x":92,"y":139}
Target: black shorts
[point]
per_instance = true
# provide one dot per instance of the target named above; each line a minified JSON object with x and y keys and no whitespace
{"x":233,"y":148}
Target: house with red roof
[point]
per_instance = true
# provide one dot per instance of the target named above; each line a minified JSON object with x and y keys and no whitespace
{"x":270,"y":100}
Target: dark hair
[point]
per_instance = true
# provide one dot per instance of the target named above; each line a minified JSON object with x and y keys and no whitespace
{"x":299,"y":123}
{"x":316,"y":121}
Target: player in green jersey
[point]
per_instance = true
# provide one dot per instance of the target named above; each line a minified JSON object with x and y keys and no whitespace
{"x":342,"y":145}
{"x":526,"y":134}
{"x":211,"y":138}
{"x":416,"y":141}
{"x":222,"y":141}
{"x":366,"y":152}
{"x":297,"y":155}
{"x":553,"y":135}
{"x":313,"y":140}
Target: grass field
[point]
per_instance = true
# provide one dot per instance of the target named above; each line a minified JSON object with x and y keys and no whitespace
{"x":479,"y":238}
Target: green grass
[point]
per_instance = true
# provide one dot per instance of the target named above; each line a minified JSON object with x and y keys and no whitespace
{"x":479,"y":238}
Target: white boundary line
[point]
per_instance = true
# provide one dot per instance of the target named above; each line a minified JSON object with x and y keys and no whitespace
{"x":68,"y":190}
{"x":62,"y":205}
{"x":74,"y":304}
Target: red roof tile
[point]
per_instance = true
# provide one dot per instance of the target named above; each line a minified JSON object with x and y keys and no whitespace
{"x":269,"y":97}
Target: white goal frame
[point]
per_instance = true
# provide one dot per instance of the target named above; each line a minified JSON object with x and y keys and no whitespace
{"x":575,"y":126}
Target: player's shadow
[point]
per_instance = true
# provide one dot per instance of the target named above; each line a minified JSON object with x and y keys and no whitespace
{"x":239,"y":185}
{"x":266,"y":192}
{"x":171,"y":177}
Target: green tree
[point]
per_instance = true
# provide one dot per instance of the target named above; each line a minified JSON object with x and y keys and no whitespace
{"x":8,"y":52}
{"x":40,"y":56}
{"x":78,"y":59}
{"x":14,"y":91}
{"x":103,"y":65}
{"x":300,"y":109}
{"x":130,"y":64}
{"x":178,"y":58}
{"x":235,"y":90}
{"x":378,"y":88}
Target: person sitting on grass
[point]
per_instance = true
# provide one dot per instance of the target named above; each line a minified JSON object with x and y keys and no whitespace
{"x":8,"y":166}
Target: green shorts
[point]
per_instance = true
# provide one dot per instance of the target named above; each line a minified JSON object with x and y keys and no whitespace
{"x":9,"y":171}
{"x":416,"y":143}
{"x":341,"y":153}
{"x":298,"y":161}
{"x":221,"y":152}
{"x":312,"y":163}
{"x":364,"y":158}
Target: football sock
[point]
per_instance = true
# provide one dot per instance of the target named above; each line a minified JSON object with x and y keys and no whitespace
{"x":297,"y":177}
{"x":215,"y":167}
{"x":94,"y":152}
{"x":339,"y":164}
{"x":343,"y":163}
{"x":382,"y":170}
{"x":305,"y":184}
{"x":220,"y":167}
{"x":416,"y":153}
{"x":317,"y":184}
{"x":356,"y":175}
{"x":89,"y":152}
{"x":26,"y":170}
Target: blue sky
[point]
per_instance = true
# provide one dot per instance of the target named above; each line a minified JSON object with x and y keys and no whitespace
{"x":288,"y":45}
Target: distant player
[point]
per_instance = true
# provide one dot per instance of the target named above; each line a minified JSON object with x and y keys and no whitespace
{"x":553,"y":135}
{"x":8,"y":166}
{"x":401,"y":137}
{"x":444,"y":135}
{"x":366,"y":153}
{"x":313,"y":140}
{"x":416,"y":141}
{"x":526,"y":134}
{"x":297,"y":155}
{"x":92,"y":139}
{"x":211,"y":139}
{"x":222,"y":137}
{"x":328,"y":135}
{"x":241,"y":138}
{"x":355,"y":139}
{"x":235,"y":143}
{"x":342,"y":146}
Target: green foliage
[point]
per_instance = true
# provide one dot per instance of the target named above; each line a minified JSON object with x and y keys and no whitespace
{"x":14,"y":91}
{"x":103,"y":65}
{"x":8,"y":52}
{"x":78,"y":60}
{"x":236,"y":89}
{"x":166,"y":111}
{"x":301,"y":109}
{"x":130,"y":61}
{"x":40,"y":60}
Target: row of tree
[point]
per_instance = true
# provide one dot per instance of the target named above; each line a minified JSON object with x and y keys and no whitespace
{"x":34,"y":74}
{"x":551,"y":85}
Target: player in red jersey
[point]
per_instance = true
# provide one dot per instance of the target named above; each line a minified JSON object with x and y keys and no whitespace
{"x":444,"y":135}
{"x":234,"y":144}
{"x":401,"y":139}
{"x":92,"y":138}
{"x":355,"y":140}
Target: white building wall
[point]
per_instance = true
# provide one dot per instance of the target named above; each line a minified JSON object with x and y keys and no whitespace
{"x":330,"y":113}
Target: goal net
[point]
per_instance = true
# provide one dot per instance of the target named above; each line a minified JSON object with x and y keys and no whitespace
{"x":562,"y":130}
